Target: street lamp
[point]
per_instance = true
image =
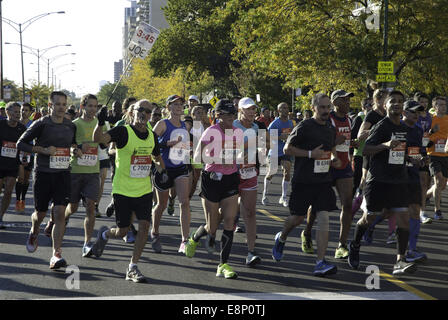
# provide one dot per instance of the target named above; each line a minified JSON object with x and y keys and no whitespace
{"x":59,"y":75}
{"x":20,"y":27}
{"x":51,"y":60}
{"x":60,"y":66}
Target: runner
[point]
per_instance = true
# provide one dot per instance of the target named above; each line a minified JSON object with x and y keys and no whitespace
{"x":197,"y":131}
{"x":312,"y":143}
{"x":416,"y":159}
{"x":174,"y":145}
{"x":438,"y":164}
{"x":193,"y":101}
{"x":23,"y":179}
{"x":265,"y":116}
{"x":156,"y":116}
{"x":131,"y":188}
{"x":425,"y":122}
{"x":387,"y":182}
{"x":85,"y":180}
{"x":10,"y":131}
{"x":54,"y":136}
{"x":283,"y":127}
{"x":219,"y":181}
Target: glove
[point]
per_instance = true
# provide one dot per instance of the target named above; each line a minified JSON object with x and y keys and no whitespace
{"x":102,"y":116}
{"x":164,"y":176}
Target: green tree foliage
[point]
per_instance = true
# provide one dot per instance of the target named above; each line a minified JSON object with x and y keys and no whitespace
{"x":105,"y":92}
{"x":39,"y":94}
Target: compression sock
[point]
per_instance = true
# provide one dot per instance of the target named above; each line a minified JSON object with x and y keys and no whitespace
{"x":19,"y":187}
{"x":359,"y":232}
{"x":414,"y":230}
{"x":226,"y":245}
{"x":24,"y":190}
{"x":402,"y":240}
{"x":266,"y":184}
{"x":199,"y":233}
{"x":285,"y":185}
{"x":392,"y":224}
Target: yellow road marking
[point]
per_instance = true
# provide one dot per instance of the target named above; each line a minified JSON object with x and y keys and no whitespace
{"x":386,"y":276}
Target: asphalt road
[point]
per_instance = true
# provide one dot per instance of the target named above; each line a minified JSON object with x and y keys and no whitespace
{"x":171,"y":275}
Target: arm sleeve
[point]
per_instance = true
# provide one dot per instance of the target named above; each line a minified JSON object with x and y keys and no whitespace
{"x":119,"y":135}
{"x":156,"y":150}
{"x":33,"y":132}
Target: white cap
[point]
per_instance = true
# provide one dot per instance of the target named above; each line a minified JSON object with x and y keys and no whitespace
{"x":193,"y":98}
{"x":246,"y":102}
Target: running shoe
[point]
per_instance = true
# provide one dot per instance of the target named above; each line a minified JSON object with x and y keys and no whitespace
{"x":57,"y":261}
{"x":97,"y":212}
{"x":190,"y":247}
{"x":224,"y":270}
{"x":415,"y":256}
{"x":20,"y":206}
{"x":110,"y":209}
{"x":283,"y":201}
{"x":438,"y":215}
{"x":265,"y":201}
{"x":356,"y":204}
{"x":368,"y":236}
{"x":425,"y":219}
{"x":353,"y":256}
{"x":252,"y":259}
{"x":277,"y":250}
{"x":210,"y":244}
{"x":182,"y":247}
{"x":170,"y":208}
{"x":402,"y":267}
{"x":49,"y":228}
{"x":31,"y":243}
{"x":341,"y":252}
{"x":239,"y":229}
{"x":324,"y":268}
{"x":87,"y":250}
{"x":100,"y":244}
{"x":135,"y":275}
{"x":392,"y":238}
{"x":129,"y":237}
{"x":307,"y":243}
{"x":156,"y":243}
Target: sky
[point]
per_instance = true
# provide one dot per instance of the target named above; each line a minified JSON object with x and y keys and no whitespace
{"x":92,"y":27}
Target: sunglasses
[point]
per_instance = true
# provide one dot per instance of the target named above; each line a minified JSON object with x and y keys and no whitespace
{"x":157,"y":114}
{"x":141,"y":109}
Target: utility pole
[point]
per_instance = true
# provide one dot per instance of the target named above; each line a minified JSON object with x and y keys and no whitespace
{"x":385,"y":32}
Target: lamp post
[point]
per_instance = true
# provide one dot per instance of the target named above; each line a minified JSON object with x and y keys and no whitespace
{"x":51,"y":60}
{"x":1,"y":52}
{"x":60,"y":79}
{"x":20,"y":28}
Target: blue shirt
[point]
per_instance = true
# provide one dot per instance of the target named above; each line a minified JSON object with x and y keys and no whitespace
{"x":282,"y":127}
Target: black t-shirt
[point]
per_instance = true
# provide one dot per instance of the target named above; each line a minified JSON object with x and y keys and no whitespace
{"x":356,"y":125}
{"x":119,"y":135}
{"x":388,"y":166}
{"x":373,"y":117}
{"x":9,"y":136}
{"x":308,"y":135}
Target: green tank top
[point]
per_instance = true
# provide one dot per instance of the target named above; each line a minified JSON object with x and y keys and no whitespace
{"x":133,"y":166}
{"x":89,"y":162}
{"x":358,"y":151}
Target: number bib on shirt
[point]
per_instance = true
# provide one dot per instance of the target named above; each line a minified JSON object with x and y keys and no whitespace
{"x":89,"y":158}
{"x":248,"y":172}
{"x":440,"y":145}
{"x":140,"y":166}
{"x":180,"y":152}
{"x":425,"y":139}
{"x":9,"y":149}
{"x":413,"y":152}
{"x":396,"y":155}
{"x":344,"y":147}
{"x":24,"y":158}
{"x":230,"y":155}
{"x":322,"y":165}
{"x":61,"y":160}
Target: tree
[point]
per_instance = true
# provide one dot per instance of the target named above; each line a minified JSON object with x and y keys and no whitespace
{"x":106,"y":91}
{"x":39,"y":94}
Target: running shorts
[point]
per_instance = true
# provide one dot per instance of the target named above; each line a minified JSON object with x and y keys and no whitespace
{"x":438,"y":164}
{"x":214,"y":190}
{"x":380,"y":195}
{"x":86,"y":184}
{"x":124,"y":206}
{"x":173,"y":174}
{"x":321,"y":196}
{"x":51,"y":186}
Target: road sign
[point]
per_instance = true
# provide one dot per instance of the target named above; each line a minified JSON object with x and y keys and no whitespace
{"x":144,"y":38}
{"x":213,"y":101}
{"x":386,"y":78}
{"x":385,"y":67}
{"x":7,"y":92}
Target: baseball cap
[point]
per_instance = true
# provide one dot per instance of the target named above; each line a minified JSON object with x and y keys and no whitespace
{"x":192,"y":97}
{"x":412,"y":105}
{"x":225,"y":106}
{"x":173,"y":98}
{"x":246,"y":102}
{"x":340,"y":94}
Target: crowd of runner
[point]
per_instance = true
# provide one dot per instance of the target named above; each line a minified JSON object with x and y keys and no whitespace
{"x":388,"y":160}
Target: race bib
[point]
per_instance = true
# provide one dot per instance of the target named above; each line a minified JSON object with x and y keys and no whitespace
{"x":248,"y":172}
{"x":344,"y":147}
{"x":61,"y":160}
{"x":413,"y":152}
{"x":396,"y":155}
{"x":180,"y":152}
{"x":425,"y":139}
{"x":140,"y":166}
{"x":230,"y":155}
{"x":24,"y":158}
{"x":9,"y":149}
{"x":89,"y":158}
{"x":322,"y":165}
{"x":440,"y":145}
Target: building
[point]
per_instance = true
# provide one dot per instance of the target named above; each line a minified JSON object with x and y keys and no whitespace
{"x":118,"y":70}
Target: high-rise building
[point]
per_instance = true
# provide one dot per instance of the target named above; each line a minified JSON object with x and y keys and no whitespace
{"x":118,"y":70}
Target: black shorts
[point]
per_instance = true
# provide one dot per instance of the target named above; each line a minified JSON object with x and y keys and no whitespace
{"x":438,"y":164}
{"x":345,"y":173}
{"x":105,"y":164}
{"x":215,"y":191}
{"x":321,"y":196}
{"x":415,"y":192}
{"x":124,"y":206}
{"x":380,"y":195}
{"x":9,"y":173}
{"x":53,"y":187}
{"x":173,"y":174}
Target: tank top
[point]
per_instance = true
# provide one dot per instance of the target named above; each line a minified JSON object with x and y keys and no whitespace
{"x":343,"y":128}
{"x":177,"y":156}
